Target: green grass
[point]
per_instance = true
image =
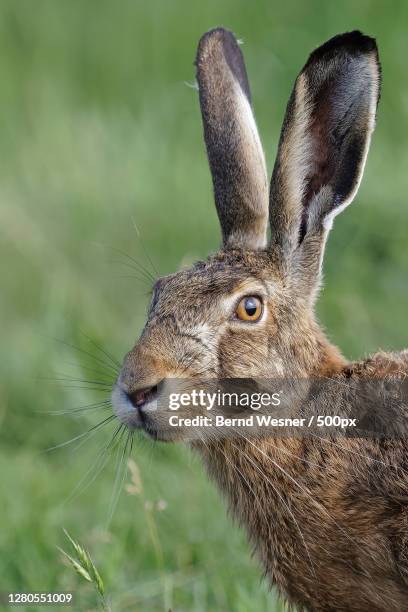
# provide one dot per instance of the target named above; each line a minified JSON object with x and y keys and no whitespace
{"x":97,"y":128}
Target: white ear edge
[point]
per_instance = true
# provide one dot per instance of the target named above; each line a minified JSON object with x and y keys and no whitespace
{"x":250,"y":134}
{"x":251,"y":142}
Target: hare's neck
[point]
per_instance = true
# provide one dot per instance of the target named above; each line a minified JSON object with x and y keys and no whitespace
{"x":330,"y":360}
{"x":258,"y":478}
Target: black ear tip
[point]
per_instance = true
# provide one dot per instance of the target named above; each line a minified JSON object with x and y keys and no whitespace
{"x":351,"y":43}
{"x":355,"y":40}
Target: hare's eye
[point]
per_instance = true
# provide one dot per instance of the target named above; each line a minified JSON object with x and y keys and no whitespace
{"x":249,"y":309}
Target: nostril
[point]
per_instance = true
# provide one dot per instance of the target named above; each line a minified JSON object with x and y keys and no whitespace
{"x":141,"y":396}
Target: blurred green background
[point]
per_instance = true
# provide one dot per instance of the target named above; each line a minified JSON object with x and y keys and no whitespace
{"x":98,"y":133}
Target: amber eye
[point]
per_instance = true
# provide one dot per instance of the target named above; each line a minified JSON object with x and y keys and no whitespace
{"x":249,"y":309}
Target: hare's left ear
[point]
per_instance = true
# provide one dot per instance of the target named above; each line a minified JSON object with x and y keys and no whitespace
{"x":234,"y":150}
{"x":323,"y":146}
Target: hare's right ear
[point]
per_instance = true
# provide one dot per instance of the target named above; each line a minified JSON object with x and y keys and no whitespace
{"x":234,"y":150}
{"x":323,"y":146}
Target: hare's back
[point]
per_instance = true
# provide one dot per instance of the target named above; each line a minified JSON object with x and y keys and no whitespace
{"x":381,"y":365}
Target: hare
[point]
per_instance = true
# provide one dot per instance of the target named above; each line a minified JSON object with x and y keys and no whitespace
{"x":328,"y":519}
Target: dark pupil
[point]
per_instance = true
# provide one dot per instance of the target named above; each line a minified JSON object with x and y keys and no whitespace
{"x":251,"y":306}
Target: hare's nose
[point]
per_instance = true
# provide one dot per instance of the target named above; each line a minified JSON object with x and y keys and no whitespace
{"x":141,"y":397}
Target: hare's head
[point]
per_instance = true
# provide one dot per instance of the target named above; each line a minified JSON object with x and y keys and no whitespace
{"x":247,"y":311}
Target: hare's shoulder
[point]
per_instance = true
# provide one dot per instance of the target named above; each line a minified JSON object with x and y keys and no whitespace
{"x":380,"y":365}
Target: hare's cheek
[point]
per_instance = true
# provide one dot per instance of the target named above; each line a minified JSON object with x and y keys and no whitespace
{"x":243,"y":352}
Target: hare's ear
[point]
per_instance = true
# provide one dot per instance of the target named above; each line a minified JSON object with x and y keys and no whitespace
{"x":324,"y":143}
{"x":234,"y":150}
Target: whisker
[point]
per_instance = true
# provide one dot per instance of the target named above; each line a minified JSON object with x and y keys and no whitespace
{"x":112,"y":359}
{"x":62,"y":375}
{"x":119,"y":479}
{"x":149,"y":259}
{"x":138,"y":268}
{"x":85,"y":440}
{"x":102,"y":383}
{"x":99,"y":464}
{"x":132,"y":437}
{"x":141,"y":278}
{"x":94,"y":406}
{"x":85,"y":433}
{"x":138,"y":265}
{"x":89,"y":369}
{"x":84,"y":352}
{"x":106,"y":389}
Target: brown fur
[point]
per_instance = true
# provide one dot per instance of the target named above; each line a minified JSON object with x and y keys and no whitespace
{"x":328,"y":517}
